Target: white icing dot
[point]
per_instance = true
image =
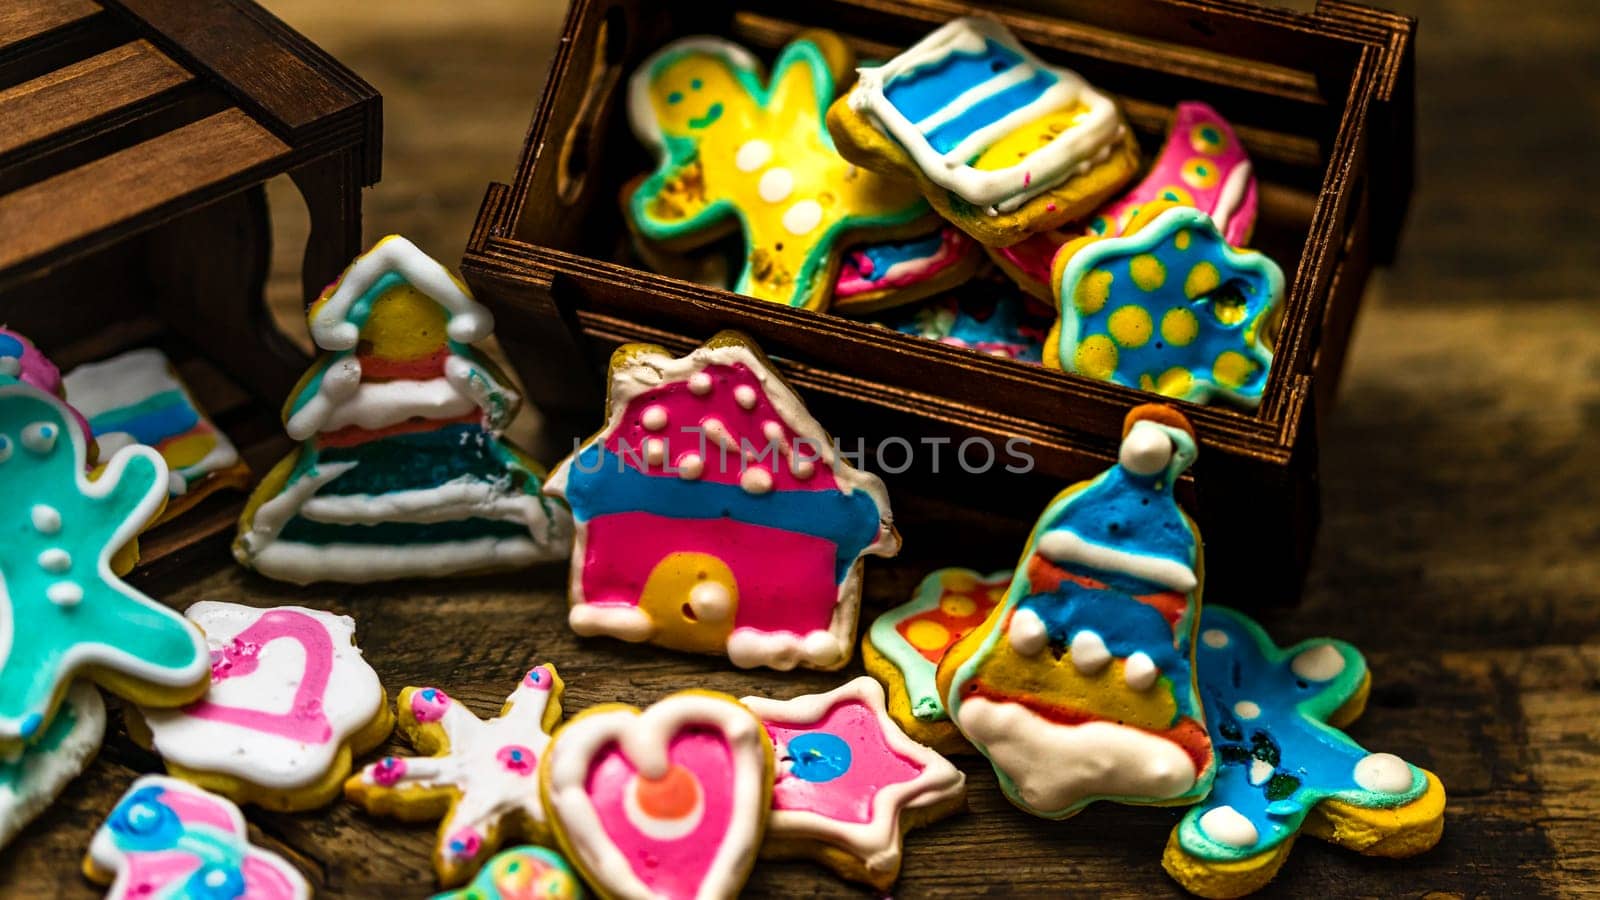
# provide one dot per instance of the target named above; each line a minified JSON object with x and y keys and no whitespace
{"x":10,"y":365}
{"x":772,"y":430}
{"x":776,"y":185}
{"x":1089,"y":652}
{"x":1140,"y":671}
{"x":710,"y":601}
{"x":64,"y":593}
{"x":803,"y":469}
{"x":1026,"y":632}
{"x":1318,"y":663}
{"x":45,"y":519}
{"x":752,"y":155}
{"x":1246,"y":709}
{"x":655,"y":451}
{"x":690,"y":466}
{"x":755,"y":481}
{"x":1146,"y":450}
{"x":1260,"y":771}
{"x":1229,"y":827}
{"x":745,"y":396}
{"x":700,"y":384}
{"x":55,"y":560}
{"x":5,"y":448}
{"x":803,"y":217}
{"x":1383,"y":773}
{"x":654,"y":417}
{"x":40,"y":437}
{"x":216,"y":878}
{"x":1215,"y":638}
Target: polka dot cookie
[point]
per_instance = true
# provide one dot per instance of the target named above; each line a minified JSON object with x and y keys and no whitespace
{"x":737,"y":153}
{"x":1284,"y":767}
{"x":1168,"y":307}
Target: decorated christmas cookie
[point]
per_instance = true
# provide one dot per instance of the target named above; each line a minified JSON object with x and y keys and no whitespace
{"x":168,"y":838}
{"x":63,"y":611}
{"x":668,"y":803}
{"x":137,"y":398}
{"x":1168,"y":307}
{"x":903,"y":647}
{"x":1203,"y":165}
{"x":401,"y":470}
{"x":32,"y":777}
{"x":1078,"y":686}
{"x":893,"y":273}
{"x":21,"y":361}
{"x":1284,"y":767}
{"x":522,"y":873}
{"x":735,"y":152}
{"x":481,"y":779}
{"x":980,"y":319}
{"x":715,"y":515}
{"x":850,"y":784}
{"x":1002,"y":143}
{"x":291,"y":702}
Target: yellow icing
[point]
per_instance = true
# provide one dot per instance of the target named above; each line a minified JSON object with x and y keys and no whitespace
{"x":1179,"y":327}
{"x":1060,"y":683}
{"x":1017,"y":145}
{"x":925,"y":634}
{"x":1174,"y":382}
{"x":1093,"y":291}
{"x":1232,"y":369}
{"x":404,"y":324}
{"x":1202,"y":279}
{"x":1147,"y":271}
{"x":187,"y":450}
{"x":1200,"y":173}
{"x":1181,"y":239}
{"x":665,"y":599}
{"x":1096,"y":357}
{"x":1130,"y":326}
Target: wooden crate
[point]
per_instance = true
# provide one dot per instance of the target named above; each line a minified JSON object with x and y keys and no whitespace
{"x":135,"y":136}
{"x":1323,"y":101}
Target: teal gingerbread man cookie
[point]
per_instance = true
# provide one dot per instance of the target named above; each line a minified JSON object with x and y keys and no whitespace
{"x":734,"y":154}
{"x":63,"y":613}
{"x":1167,"y":307}
{"x":1284,"y":765}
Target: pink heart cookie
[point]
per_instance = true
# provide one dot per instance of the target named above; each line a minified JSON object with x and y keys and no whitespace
{"x":670,"y":802}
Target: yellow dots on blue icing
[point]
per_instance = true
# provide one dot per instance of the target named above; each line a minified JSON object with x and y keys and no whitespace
{"x":1175,"y":382}
{"x":1179,"y":327}
{"x":1200,"y":173}
{"x":1174,"y":194}
{"x":1096,"y":357}
{"x":1232,"y":369}
{"x":1148,"y":272}
{"x":1201,"y":280}
{"x":1207,"y":138}
{"x":1092,"y":292}
{"x":1130,"y":326}
{"x":1229,"y":309}
{"x":1181,"y":239}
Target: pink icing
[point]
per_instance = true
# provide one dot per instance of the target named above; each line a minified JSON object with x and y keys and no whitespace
{"x":146,"y":874}
{"x":389,"y":770}
{"x":265,"y":881}
{"x":539,"y":678}
{"x":195,"y":808}
{"x":465,"y":843}
{"x":672,"y":868}
{"x":688,"y":413}
{"x":305,"y":720}
{"x":856,"y":275}
{"x":873,"y":765}
{"x":517,"y":758}
{"x":785,"y":579}
{"x":429,"y":704}
{"x":1035,"y":255}
{"x":38,"y":371}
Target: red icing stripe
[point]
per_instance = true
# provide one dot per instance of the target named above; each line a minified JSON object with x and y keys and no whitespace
{"x":377,"y":368}
{"x":354,"y":435}
{"x":1045,"y":576}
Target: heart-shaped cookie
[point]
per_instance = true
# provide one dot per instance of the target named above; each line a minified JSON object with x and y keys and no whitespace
{"x":669,"y":802}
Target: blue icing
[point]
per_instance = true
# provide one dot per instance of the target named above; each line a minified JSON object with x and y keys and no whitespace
{"x":989,"y":324}
{"x":1131,"y":513}
{"x":1126,"y":625}
{"x":1224,"y":322}
{"x":151,"y":420}
{"x":10,"y":346}
{"x":49,"y":511}
{"x":929,"y":88}
{"x":984,"y":113}
{"x":818,"y":756}
{"x":1273,"y":768}
{"x":143,"y":823}
{"x":886,"y":255}
{"x":601,"y":484}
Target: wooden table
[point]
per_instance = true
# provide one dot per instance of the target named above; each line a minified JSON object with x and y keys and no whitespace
{"x":1461,"y":548}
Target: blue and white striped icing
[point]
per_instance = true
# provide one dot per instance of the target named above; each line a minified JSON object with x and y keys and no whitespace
{"x":966,"y":86}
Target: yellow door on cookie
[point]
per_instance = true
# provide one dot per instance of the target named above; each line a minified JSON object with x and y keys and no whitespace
{"x":691,"y":598}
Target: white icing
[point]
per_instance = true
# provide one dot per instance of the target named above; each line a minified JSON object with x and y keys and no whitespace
{"x":711,"y":601}
{"x":1215,"y":638}
{"x":783,"y":650}
{"x":1139,"y":672}
{"x":39,"y":437}
{"x":42,"y":775}
{"x":877,"y":841}
{"x":700,"y":384}
{"x":330,"y":328}
{"x":10,"y":365}
{"x":644,"y":739}
{"x":752,"y":155}
{"x":1064,"y":546}
{"x":1089,"y":653}
{"x":802,"y":218}
{"x":691,"y":466}
{"x":719,"y":435}
{"x":1320,"y":663}
{"x":1229,"y":827}
{"x":380,"y":404}
{"x":746,"y":396}
{"x":624,"y":621}
{"x":64,"y":593}
{"x":755,"y":481}
{"x":55,"y":560}
{"x":776,"y":185}
{"x":340,"y":381}
{"x":662,"y":829}
{"x":461,"y":498}
{"x":1058,"y":767}
{"x":305,"y":563}
{"x":1260,"y":771}
{"x":655,"y":451}
{"x":1146,"y":450}
{"x":654,"y":417}
{"x":46,"y":519}
{"x":1231,"y":197}
{"x":1027,"y":633}
{"x":353,"y":698}
{"x":1002,"y":190}
{"x":1247,"y":709}
{"x":1383,"y":773}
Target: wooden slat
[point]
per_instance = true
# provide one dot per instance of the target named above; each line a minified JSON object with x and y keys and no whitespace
{"x":85,"y":91}
{"x":24,"y":20}
{"x":114,"y":190}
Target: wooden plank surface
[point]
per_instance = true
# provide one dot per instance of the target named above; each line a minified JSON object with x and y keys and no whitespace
{"x":69,"y":98}
{"x":1460,"y":550}
{"x":24,"y":20}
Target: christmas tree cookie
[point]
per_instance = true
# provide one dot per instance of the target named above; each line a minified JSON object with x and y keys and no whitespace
{"x":715,"y":515}
{"x":1078,"y":686}
{"x":401,"y":469}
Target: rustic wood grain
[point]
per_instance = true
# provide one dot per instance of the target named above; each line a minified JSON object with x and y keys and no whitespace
{"x":69,"y":98}
{"x":1460,"y":546}
{"x":23,"y":22}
